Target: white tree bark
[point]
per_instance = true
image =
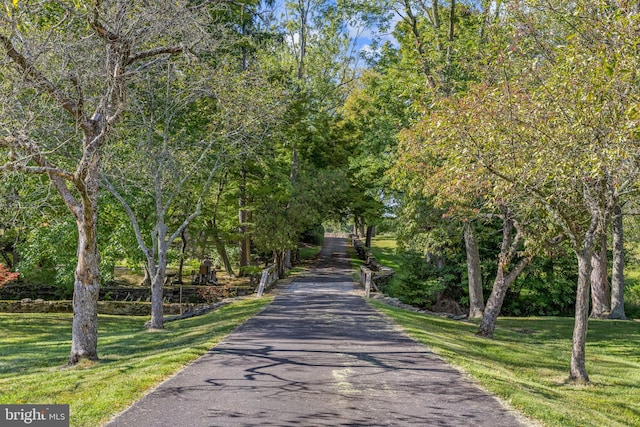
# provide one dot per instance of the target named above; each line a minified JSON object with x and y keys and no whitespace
{"x":103,"y":45}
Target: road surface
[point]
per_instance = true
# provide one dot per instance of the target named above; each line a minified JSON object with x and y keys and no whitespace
{"x":319,"y":355}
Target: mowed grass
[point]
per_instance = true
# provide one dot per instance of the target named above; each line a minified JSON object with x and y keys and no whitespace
{"x":527,"y":365}
{"x":306,"y":256}
{"x":34,"y":349}
{"x":383,"y":248}
{"x":309,"y":252}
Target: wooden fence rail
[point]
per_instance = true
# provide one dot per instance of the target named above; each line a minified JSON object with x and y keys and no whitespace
{"x":269,"y":276}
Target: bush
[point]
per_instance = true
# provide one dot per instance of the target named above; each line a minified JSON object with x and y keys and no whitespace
{"x":546,"y":288}
{"x":632,"y":300}
{"x":313,"y":236}
{"x":6,"y":275}
{"x":632,"y":311}
{"x":419,"y":283}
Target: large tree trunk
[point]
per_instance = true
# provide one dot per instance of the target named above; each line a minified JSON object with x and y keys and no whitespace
{"x":183,"y":251}
{"x":157,"y":296}
{"x":494,"y":303}
{"x":222,"y":250}
{"x":244,"y":245}
{"x":360,"y":227}
{"x":86,"y":288}
{"x":224,"y":256}
{"x":288,"y":260}
{"x":245,"y":242}
{"x":503,"y":279}
{"x":158,"y":274}
{"x":617,"y":277}
{"x":600,"y":294}
{"x":279,"y":259}
{"x":578,"y":371}
{"x":369,"y":235}
{"x":476,"y":297}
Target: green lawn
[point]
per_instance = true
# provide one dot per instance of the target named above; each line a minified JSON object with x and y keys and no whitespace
{"x":309,"y":252}
{"x":35,"y":347}
{"x":384,"y":249}
{"x":527,"y":364}
{"x":306,"y":256}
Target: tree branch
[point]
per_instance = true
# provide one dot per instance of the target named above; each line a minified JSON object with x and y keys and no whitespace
{"x":208,"y":2}
{"x":154,"y":52}
{"x":44,"y":167}
{"x":99,"y":28}
{"x":41,"y":82}
{"x":411,"y":19}
{"x":134,"y":222}
{"x":515,"y":272}
{"x":36,"y":170}
{"x":57,"y":176}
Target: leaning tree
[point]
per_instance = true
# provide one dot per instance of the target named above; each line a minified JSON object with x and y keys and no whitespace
{"x":559,"y":124}
{"x":66,"y":69}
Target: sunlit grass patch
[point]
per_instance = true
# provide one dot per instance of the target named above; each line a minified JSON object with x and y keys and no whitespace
{"x":309,"y":252}
{"x":527,"y":364}
{"x":35,"y":349}
{"x":384,"y":249}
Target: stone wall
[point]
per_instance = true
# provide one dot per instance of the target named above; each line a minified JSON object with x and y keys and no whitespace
{"x":21,"y":291}
{"x":123,"y":308}
{"x":381,"y":275}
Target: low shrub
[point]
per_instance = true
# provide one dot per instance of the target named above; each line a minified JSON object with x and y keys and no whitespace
{"x":421,"y":284}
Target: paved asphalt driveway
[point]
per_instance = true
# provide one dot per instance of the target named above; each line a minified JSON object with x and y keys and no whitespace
{"x":318,"y":356}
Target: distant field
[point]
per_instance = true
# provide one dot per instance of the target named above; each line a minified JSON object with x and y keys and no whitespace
{"x":384,"y":249}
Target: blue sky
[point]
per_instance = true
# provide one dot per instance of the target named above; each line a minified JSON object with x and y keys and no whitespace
{"x":362,"y":37}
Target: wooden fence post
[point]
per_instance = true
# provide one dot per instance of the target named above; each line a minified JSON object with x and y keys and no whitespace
{"x":367,"y":284}
{"x":365,"y":279}
{"x":269,"y":275}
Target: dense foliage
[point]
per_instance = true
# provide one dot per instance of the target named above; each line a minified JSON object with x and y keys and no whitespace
{"x":499,"y":138}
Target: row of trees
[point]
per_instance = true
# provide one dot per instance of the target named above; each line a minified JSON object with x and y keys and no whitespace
{"x":158,"y":122}
{"x":520,"y":112}
{"x":222,"y":123}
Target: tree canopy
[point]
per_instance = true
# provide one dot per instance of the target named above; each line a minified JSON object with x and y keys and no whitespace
{"x":496,"y":137}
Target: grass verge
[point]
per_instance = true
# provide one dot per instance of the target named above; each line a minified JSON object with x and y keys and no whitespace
{"x":306,"y":257}
{"x":356,"y":262}
{"x":35,"y":348}
{"x":309,"y":252}
{"x":527,"y":365}
{"x":383,"y":248}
